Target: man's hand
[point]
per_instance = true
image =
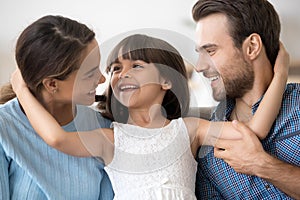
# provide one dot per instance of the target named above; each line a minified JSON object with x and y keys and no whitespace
{"x":247,"y":156}
{"x":244,"y":154}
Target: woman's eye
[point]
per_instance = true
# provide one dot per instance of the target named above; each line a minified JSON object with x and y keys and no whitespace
{"x":88,"y":76}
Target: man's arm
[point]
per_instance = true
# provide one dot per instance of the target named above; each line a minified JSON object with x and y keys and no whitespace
{"x":247,"y":156}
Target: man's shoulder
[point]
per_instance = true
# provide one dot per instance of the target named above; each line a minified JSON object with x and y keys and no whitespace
{"x":291,"y":97}
{"x":292,"y":89}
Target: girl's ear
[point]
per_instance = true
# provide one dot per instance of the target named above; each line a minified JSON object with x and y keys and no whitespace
{"x":166,"y":85}
{"x":51,"y":85}
{"x":252,"y":46}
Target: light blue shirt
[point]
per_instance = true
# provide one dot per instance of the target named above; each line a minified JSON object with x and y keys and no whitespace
{"x":30,"y":169}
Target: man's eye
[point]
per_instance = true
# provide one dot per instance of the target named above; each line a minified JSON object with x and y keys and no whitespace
{"x":210,"y":51}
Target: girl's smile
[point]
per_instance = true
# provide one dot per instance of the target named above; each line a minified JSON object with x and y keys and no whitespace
{"x":135,"y":81}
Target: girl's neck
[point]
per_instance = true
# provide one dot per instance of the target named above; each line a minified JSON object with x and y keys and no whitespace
{"x":148,"y":118}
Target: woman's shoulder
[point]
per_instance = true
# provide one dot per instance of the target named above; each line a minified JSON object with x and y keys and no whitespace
{"x":10,"y":110}
{"x":88,"y":116}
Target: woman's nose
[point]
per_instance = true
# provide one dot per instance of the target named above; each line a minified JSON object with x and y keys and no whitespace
{"x":102,"y":79}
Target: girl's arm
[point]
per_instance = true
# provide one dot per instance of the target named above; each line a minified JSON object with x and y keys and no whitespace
{"x":84,"y":144}
{"x":270,"y":105}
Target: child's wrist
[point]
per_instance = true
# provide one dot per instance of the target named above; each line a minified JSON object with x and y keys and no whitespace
{"x":281,"y":75}
{"x":22,"y":91}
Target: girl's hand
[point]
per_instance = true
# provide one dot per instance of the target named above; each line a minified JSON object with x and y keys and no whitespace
{"x":17,"y":82}
{"x":282,"y":62}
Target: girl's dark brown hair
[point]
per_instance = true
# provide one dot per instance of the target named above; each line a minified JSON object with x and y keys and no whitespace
{"x":52,"y":46}
{"x":244,"y":18}
{"x":170,"y":65}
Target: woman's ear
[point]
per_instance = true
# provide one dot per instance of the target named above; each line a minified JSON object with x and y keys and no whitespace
{"x":166,"y":85}
{"x":51,"y":85}
{"x":252,"y":46}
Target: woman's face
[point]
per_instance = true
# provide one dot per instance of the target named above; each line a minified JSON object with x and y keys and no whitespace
{"x":80,"y":86}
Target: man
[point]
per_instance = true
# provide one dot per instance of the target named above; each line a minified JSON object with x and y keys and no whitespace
{"x":241,"y":38}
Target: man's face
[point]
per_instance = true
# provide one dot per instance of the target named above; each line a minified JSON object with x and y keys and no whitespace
{"x":220,"y":60}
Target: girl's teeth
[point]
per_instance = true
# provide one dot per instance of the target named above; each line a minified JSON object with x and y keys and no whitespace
{"x":128,"y":87}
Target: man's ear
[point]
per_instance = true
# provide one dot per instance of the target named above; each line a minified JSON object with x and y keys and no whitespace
{"x":51,"y":85}
{"x":252,"y":46}
{"x":166,"y":85}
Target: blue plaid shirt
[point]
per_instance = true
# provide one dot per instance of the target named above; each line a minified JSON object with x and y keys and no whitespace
{"x":217,"y":180}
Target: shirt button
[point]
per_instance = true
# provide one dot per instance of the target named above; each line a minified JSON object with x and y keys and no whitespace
{"x":267,"y":186}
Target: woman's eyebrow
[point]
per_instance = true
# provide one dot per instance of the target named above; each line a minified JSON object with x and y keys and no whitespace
{"x":93,"y":69}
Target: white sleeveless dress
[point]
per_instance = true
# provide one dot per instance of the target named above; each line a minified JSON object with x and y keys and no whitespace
{"x":152,"y":163}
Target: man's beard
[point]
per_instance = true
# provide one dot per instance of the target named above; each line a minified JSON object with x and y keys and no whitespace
{"x":240,"y":82}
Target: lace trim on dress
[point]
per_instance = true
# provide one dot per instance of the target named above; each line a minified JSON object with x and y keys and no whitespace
{"x":125,"y":161}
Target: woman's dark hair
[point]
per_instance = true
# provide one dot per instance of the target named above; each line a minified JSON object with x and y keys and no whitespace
{"x":244,"y":18}
{"x":168,"y":62}
{"x":53,"y":47}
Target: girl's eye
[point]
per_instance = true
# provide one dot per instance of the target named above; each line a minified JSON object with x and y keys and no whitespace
{"x":137,"y":66}
{"x":115,"y":69}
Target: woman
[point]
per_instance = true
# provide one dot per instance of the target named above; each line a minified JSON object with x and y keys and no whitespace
{"x":59,"y":60}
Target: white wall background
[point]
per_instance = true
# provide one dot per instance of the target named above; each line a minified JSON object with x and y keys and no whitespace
{"x":112,"y":17}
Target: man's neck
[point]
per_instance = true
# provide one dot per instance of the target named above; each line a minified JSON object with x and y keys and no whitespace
{"x":244,"y":105}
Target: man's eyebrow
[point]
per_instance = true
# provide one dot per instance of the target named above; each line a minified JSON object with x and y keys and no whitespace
{"x":206,"y":46}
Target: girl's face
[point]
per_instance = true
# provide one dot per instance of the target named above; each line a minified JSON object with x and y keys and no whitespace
{"x":136,"y":84}
{"x":80,"y":86}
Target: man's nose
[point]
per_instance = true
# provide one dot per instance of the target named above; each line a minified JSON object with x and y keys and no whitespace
{"x":204,"y":62}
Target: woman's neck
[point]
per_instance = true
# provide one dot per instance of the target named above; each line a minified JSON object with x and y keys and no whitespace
{"x":64,"y":113}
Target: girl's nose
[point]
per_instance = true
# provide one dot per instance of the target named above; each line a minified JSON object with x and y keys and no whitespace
{"x":124,"y":74}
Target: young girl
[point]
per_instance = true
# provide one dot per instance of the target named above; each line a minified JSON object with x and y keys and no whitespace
{"x":149,"y":153}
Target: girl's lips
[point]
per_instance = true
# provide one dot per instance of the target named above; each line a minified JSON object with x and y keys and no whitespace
{"x":127,"y":87}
